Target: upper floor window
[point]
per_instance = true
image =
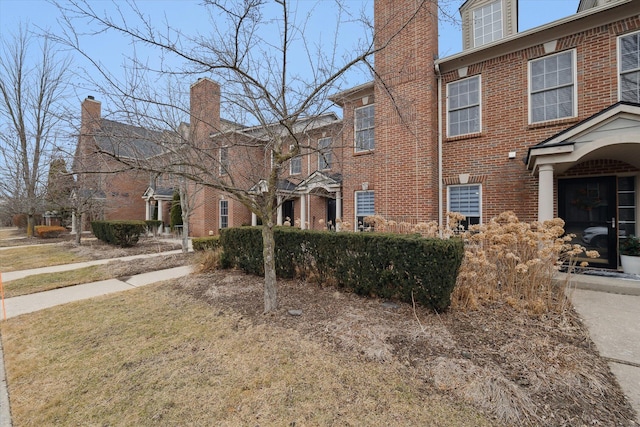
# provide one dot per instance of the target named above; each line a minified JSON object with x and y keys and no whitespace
{"x":324,"y":154}
{"x":630,"y":68}
{"x":224,"y":160}
{"x":487,"y":23}
{"x":552,"y":87}
{"x":295,"y":166}
{"x":463,"y":106}
{"x":465,"y":199}
{"x":365,"y":206}
{"x":364,"y":128}
{"x":224,"y":213}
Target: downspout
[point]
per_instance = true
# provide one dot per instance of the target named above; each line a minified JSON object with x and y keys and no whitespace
{"x":440,"y":187}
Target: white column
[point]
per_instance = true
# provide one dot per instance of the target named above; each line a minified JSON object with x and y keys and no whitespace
{"x":338,"y":209}
{"x":545,"y":193}
{"x":279,"y":216}
{"x":147,"y":211}
{"x":303,"y":211}
{"x":254,"y":219}
{"x":159,"y":210}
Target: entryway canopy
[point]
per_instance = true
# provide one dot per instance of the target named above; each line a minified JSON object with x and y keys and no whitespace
{"x":613,"y":133}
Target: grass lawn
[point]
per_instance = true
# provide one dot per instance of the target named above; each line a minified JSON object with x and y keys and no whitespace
{"x":156,"y":356}
{"x":23,"y":258}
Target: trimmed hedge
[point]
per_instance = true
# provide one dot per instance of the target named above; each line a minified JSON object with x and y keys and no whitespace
{"x":204,"y":243}
{"x":48,"y":231}
{"x":153,"y":225}
{"x":120,"y":233}
{"x":394,"y":266}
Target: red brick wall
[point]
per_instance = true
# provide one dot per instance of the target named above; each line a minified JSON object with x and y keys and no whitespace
{"x":506,"y":183}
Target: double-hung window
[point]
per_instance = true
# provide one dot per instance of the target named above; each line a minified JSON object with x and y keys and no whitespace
{"x":324,"y":153}
{"x":487,"y":23}
{"x":365,"y":206}
{"x":466,"y":199}
{"x":630,"y":67}
{"x":295,"y":166}
{"x":463,"y":106}
{"x":364,"y":128}
{"x":224,"y":213}
{"x":552,"y":88}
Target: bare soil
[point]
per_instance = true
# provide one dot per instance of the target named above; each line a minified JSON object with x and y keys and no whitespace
{"x":519,"y":368}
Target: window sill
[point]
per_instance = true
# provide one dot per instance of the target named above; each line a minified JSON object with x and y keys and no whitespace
{"x":463,"y":137}
{"x":363,"y":152}
{"x":552,"y":123}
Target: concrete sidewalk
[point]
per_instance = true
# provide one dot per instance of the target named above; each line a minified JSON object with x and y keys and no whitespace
{"x":13,"y":275}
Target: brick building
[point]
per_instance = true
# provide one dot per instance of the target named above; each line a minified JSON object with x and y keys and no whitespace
{"x":544,"y":122}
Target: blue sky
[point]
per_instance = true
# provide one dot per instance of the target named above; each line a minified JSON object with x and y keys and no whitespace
{"x":113,"y":51}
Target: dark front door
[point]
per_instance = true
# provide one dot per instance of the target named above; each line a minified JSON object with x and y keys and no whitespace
{"x":287,"y":212}
{"x":589,"y":209}
{"x":331,"y":213}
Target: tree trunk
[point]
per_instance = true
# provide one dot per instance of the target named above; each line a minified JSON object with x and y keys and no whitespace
{"x":77,"y":219}
{"x":30,"y":224}
{"x":184,"y":206}
{"x":270,"y":284}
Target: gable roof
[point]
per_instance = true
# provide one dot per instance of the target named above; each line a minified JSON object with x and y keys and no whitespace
{"x":615,"y":130}
{"x":129,"y":141}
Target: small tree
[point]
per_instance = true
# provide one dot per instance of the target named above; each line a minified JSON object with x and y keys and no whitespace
{"x":176,"y":211}
{"x":30,"y":97}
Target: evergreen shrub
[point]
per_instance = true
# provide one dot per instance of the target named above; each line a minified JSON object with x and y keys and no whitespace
{"x":175,"y":214}
{"x":153,"y":225}
{"x":204,"y":243}
{"x":403,"y":267}
{"x":119,"y":233}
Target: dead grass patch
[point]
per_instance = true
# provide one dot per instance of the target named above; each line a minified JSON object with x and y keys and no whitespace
{"x":159,"y":357}
{"x":25,"y":258}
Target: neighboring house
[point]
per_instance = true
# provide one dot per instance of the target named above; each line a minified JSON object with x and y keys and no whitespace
{"x":544,"y":122}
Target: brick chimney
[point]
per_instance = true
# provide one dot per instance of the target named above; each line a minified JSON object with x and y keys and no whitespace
{"x":406,"y":98}
{"x":90,"y":117}
{"x":205,"y":110}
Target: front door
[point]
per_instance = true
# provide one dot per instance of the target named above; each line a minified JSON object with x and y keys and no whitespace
{"x":288,"y":213}
{"x":589,"y":209}
{"x":331,"y":213}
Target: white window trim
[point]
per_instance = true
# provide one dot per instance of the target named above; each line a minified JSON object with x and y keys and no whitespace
{"x":473,"y":23}
{"x":355,"y":131}
{"x":355,"y":200}
{"x":323,"y":150}
{"x":291,"y":172}
{"x":619,"y":55}
{"x":479,"y":77}
{"x":575,"y":85}
{"x":465,"y":185}
{"x":220,"y":213}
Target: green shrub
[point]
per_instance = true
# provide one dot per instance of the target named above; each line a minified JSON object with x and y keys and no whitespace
{"x":204,"y":243}
{"x":153,"y":225}
{"x":48,"y":232}
{"x":120,"y":233}
{"x":404,"y":267}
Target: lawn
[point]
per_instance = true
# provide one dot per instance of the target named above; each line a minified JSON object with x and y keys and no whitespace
{"x":24,"y":258}
{"x":157,"y":356}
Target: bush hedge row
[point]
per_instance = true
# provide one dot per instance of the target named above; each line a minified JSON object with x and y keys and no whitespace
{"x":204,"y":243}
{"x":48,"y":231}
{"x":120,"y":233}
{"x":153,"y":225}
{"x":402,"y":267}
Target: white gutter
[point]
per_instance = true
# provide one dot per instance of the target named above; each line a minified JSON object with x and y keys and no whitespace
{"x":440,"y":185}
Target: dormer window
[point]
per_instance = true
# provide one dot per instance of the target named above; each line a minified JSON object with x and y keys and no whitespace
{"x":487,"y":23}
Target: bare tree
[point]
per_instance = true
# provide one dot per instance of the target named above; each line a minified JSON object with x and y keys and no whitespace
{"x":250,"y":51}
{"x":32,"y":87}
